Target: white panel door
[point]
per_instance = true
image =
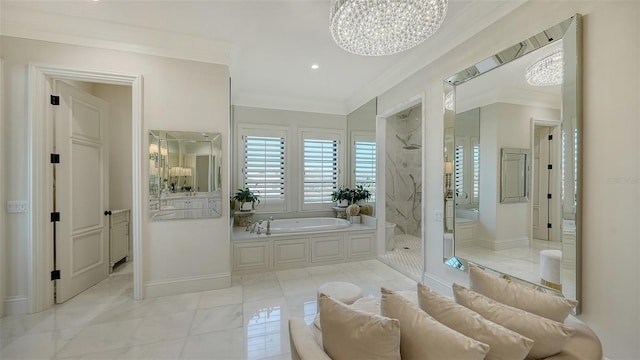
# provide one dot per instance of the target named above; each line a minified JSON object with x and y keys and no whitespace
{"x":81,"y":191}
{"x":541,"y":183}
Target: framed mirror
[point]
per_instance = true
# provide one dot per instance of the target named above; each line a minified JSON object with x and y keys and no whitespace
{"x":184,"y":175}
{"x":514,"y":175}
{"x":512,"y":196}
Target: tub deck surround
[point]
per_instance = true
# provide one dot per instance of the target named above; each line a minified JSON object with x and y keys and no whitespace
{"x":253,"y":252}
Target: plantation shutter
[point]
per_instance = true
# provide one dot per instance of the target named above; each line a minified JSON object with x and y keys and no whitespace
{"x":459,"y":170}
{"x":365,"y":166}
{"x":320,"y":177}
{"x":476,"y":170}
{"x":264,"y":168}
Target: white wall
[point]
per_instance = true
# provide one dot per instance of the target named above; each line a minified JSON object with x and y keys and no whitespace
{"x":611,"y":185}
{"x":119,"y":127}
{"x":177,"y":95}
{"x":504,"y":126}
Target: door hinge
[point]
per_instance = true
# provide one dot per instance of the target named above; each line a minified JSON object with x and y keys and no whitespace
{"x":55,"y":216}
{"x":550,"y":166}
{"x":55,"y":100}
{"x":55,"y":158}
{"x":550,"y":137}
{"x":548,"y":196}
{"x":548,"y":225}
{"x":55,"y":275}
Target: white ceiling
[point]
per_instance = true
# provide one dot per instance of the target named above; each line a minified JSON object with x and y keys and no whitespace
{"x":269,"y":45}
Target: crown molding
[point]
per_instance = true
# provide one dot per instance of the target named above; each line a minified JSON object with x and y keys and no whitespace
{"x":29,"y":24}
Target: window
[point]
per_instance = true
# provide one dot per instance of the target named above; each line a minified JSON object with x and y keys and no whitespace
{"x":364,"y":164}
{"x":475,"y":194}
{"x":264,"y":162}
{"x":459,"y":171}
{"x":321,"y":171}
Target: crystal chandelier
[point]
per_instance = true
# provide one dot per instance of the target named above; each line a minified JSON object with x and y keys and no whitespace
{"x":547,"y":71}
{"x":384,"y":27}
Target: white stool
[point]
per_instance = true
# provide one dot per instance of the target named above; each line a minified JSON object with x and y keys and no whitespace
{"x":345,"y":292}
{"x":551,"y":269}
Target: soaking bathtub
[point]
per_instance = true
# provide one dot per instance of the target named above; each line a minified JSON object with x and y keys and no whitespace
{"x":303,"y":225}
{"x":301,"y":242}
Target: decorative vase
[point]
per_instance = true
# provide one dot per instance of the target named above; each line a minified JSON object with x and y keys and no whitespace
{"x":361,"y":202}
{"x":342,"y":203}
{"x":246,"y":206}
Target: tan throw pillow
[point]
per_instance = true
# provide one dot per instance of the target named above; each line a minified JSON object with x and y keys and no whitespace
{"x":547,"y":305}
{"x":422,"y":337}
{"x":349,"y":334}
{"x":504,"y":344}
{"x":549,"y":336}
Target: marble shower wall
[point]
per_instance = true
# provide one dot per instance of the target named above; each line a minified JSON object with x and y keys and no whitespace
{"x":403,"y":171}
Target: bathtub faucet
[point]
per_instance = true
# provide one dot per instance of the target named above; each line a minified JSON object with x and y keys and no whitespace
{"x":269,"y":225}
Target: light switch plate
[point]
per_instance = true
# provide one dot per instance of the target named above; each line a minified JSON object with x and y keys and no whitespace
{"x":439,"y":215}
{"x":16,"y":206}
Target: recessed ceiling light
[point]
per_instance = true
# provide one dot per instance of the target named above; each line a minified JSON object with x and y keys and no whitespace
{"x":315,"y":66}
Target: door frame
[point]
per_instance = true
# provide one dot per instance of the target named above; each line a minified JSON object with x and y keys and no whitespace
{"x":556,"y":155}
{"x":381,"y":183}
{"x":40,"y":201}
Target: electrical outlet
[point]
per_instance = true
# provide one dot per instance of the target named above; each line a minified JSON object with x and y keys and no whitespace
{"x":16,"y":206}
{"x":439,"y":215}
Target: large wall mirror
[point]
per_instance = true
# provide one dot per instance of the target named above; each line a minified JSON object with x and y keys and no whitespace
{"x":184,"y":175}
{"x":511,"y":151}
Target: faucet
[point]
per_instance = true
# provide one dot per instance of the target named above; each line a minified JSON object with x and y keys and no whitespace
{"x":269,"y":225}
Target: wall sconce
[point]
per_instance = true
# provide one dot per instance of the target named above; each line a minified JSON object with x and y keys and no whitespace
{"x":448,"y":171}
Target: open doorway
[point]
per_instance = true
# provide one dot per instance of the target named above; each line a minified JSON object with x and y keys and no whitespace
{"x":41,"y":145}
{"x":92,"y":190}
{"x":403,"y":227}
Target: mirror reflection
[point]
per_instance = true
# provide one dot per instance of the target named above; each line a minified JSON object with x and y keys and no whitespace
{"x":184,"y":175}
{"x":510,"y":159}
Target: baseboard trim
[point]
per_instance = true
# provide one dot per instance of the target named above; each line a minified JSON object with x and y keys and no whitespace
{"x":15,"y":305}
{"x":504,"y":244}
{"x":185,"y":285}
{"x":437,"y":284}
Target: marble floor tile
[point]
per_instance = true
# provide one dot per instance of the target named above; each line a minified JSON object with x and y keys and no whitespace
{"x":41,"y":345}
{"x":292,"y":274}
{"x":266,"y":290}
{"x":163,"y":350}
{"x":161,"y":328}
{"x":228,"y":296}
{"x":217,"y":318}
{"x":226,"y":344}
{"x":101,"y":337}
{"x":246,"y":321}
{"x":298,"y":286}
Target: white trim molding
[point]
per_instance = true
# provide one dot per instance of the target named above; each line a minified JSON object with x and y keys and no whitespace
{"x":40,"y":200}
{"x":187,"y":284}
{"x":15,"y":305}
{"x":3,"y":258}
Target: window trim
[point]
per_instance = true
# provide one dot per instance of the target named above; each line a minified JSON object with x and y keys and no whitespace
{"x":363,"y":136}
{"x":319,"y":134}
{"x":245,"y":129}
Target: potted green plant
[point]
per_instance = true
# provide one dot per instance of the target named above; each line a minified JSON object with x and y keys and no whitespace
{"x":247,"y":199}
{"x":361,"y":195}
{"x":342,"y":196}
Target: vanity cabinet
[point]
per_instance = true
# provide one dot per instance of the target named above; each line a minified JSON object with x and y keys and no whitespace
{"x":191,"y":207}
{"x":118,"y":236}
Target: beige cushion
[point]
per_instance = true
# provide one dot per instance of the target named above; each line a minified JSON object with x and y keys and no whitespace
{"x":547,"y":305}
{"x":549,"y":336}
{"x":302,"y":343}
{"x":504,"y":344}
{"x":349,"y":334}
{"x":424,"y":338}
